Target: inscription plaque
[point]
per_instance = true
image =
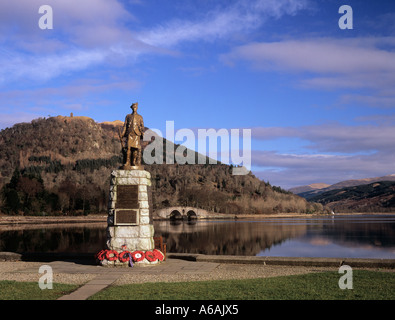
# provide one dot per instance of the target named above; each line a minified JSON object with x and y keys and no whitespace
{"x":125,"y":217}
{"x":127,"y":197}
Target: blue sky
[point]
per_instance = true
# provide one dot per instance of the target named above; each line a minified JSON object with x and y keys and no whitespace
{"x":319,"y":100}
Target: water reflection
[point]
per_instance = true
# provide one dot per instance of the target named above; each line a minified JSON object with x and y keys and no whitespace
{"x":330,"y":236}
{"x":362,"y":236}
{"x":71,"y":238}
{"x":225,"y":237}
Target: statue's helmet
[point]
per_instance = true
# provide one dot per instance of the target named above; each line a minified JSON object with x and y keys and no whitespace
{"x":134,"y":104}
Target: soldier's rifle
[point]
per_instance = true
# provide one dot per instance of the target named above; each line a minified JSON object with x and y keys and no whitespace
{"x":121,"y":139}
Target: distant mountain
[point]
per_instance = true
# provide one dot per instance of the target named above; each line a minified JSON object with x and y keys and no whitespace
{"x":310,"y":187}
{"x":62,"y":165}
{"x":378,"y":196}
{"x":308,"y":192}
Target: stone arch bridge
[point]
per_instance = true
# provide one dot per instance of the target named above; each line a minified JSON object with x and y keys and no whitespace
{"x":181,"y":213}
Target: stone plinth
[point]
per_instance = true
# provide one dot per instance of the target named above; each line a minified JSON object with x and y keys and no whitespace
{"x":130,"y":211}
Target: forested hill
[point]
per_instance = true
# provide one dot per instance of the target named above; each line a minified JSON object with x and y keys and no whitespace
{"x":378,"y":196}
{"x":62,"y":165}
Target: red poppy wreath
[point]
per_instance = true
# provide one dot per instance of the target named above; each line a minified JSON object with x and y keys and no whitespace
{"x":138,"y":256}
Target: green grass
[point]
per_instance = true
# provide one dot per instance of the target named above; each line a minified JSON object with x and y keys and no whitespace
{"x":13,"y":290}
{"x":367,"y":285}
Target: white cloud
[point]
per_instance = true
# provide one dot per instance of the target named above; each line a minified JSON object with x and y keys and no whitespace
{"x":92,"y":32}
{"x":295,"y":170}
{"x":335,"y":137}
{"x":239,"y":17}
{"x":380,"y":99}
{"x":41,"y":68}
{"x":324,"y":55}
{"x":327,"y":63}
{"x":82,"y":23}
{"x":83,"y":36}
{"x":333,"y":153}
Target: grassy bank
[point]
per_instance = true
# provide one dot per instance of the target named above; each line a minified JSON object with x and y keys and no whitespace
{"x":13,"y":290}
{"x":368,"y":285}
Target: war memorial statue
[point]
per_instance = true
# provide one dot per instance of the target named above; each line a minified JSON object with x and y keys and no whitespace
{"x":130,"y":229}
{"x":133,"y":131}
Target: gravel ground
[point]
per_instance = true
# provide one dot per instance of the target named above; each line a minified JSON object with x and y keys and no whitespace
{"x":12,"y":271}
{"x":9,"y":271}
{"x":15,"y":270}
{"x":222,"y":272}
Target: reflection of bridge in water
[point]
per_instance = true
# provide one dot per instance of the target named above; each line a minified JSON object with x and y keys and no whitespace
{"x":185,"y":213}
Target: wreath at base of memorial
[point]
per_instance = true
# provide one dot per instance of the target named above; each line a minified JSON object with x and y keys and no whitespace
{"x":125,"y":255}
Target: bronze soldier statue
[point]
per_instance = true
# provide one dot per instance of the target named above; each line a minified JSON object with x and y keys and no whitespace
{"x":133,"y":130}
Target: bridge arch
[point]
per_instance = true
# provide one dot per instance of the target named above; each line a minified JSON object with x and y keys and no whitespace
{"x":191,"y":215}
{"x":175,"y":215}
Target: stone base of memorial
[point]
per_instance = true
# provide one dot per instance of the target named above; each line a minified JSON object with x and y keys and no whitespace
{"x":130,"y":229}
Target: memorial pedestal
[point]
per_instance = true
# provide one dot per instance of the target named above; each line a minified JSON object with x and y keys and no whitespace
{"x":129,"y":223}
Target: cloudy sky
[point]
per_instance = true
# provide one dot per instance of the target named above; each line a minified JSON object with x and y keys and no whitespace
{"x":319,"y":100}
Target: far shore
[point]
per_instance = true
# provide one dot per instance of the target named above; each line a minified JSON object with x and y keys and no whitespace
{"x":306,"y":215}
{"x":6,"y":220}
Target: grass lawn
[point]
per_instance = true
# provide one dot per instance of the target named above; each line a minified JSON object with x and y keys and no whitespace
{"x":13,"y":290}
{"x":367,"y":285}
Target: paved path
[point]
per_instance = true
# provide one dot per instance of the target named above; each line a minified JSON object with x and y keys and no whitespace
{"x":99,"y":283}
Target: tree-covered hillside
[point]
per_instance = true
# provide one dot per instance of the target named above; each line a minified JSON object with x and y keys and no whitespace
{"x":373,"y":197}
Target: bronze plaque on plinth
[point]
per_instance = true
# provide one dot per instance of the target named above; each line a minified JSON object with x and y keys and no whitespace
{"x":126,"y":217}
{"x":127,"y":197}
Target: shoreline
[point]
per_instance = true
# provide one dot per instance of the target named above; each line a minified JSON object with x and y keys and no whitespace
{"x":88,"y":258}
{"x":6,"y":220}
{"x":306,"y":215}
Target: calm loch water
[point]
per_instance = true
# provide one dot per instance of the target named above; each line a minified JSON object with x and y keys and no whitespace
{"x":354,"y":236}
